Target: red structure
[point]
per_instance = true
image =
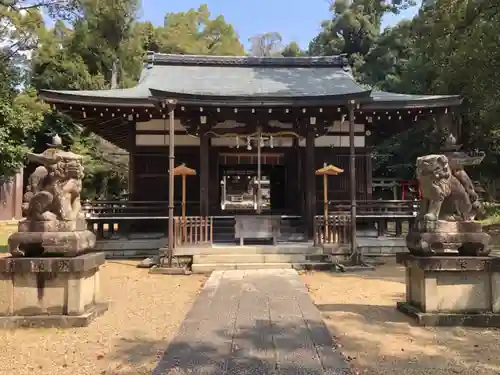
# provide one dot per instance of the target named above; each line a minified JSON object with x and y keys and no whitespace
{"x":405,"y":184}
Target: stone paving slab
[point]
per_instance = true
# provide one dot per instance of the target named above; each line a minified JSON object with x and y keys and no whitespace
{"x":254,"y":322}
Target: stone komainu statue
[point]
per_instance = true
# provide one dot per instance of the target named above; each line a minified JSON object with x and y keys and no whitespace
{"x":447,"y":193}
{"x":53,"y":191}
{"x":54,"y":223}
{"x":445,"y":224}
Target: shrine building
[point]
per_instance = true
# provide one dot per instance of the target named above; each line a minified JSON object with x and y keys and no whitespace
{"x":255,"y":131}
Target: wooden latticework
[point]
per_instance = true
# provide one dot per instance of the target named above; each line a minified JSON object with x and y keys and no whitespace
{"x":336,"y":230}
{"x":193,"y":230}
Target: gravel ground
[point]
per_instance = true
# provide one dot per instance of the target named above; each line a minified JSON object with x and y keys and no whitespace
{"x":144,"y":315}
{"x":359,"y":310}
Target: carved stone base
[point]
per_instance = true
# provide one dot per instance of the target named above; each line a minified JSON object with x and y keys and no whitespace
{"x":452,"y":290}
{"x":440,"y":237}
{"x":67,"y":244}
{"x":50,"y":292}
{"x":78,"y":225}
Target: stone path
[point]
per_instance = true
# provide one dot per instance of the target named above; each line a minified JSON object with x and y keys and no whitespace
{"x":254,"y":323}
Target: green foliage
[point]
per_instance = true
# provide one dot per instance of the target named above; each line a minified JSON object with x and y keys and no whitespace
{"x":99,"y":50}
{"x":395,"y":156}
{"x":106,"y":167}
{"x":354,"y":27}
{"x":20,"y":116}
{"x":103,"y":46}
{"x":293,"y":50}
{"x":386,"y":62}
{"x":21,"y":113}
{"x":194,"y":32}
{"x":450,"y":47}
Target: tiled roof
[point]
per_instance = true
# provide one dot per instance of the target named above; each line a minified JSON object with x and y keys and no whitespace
{"x":226,"y":78}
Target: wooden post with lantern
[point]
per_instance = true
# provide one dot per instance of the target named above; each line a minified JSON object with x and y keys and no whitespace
{"x":183,"y":171}
{"x":327,"y":170}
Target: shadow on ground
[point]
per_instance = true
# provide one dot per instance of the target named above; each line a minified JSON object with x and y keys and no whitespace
{"x":360,"y":310}
{"x":388,"y":270}
{"x":252,"y":350}
{"x":370,"y":313}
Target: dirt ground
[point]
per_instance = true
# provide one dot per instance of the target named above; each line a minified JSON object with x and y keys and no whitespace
{"x":6,"y":229}
{"x":359,"y":309}
{"x":145,"y":313}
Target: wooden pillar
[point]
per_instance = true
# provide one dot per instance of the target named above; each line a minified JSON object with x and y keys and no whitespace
{"x":369,"y":176}
{"x":352,"y":182}
{"x":214,"y":191}
{"x":131,"y":160}
{"x":295,"y":182}
{"x":310,"y":181}
{"x":204,"y":173}
{"x":171,"y":179}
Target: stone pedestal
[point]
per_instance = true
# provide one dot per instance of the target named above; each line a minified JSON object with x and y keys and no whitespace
{"x":50,"y":292}
{"x":65,"y":238}
{"x":452,"y":290}
{"x":440,"y":237}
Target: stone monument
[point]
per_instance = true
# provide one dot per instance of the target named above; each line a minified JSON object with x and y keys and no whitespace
{"x":450,"y":279}
{"x":50,"y":279}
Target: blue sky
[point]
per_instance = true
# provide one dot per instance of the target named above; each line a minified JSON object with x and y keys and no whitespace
{"x":297,"y":20}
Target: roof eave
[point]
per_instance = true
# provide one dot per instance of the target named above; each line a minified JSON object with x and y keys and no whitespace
{"x":264,"y":101}
{"x":337,"y":61}
{"x":442,"y":102}
{"x":54,"y":97}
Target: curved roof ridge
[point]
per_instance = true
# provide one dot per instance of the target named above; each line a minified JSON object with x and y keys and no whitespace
{"x":337,"y":61}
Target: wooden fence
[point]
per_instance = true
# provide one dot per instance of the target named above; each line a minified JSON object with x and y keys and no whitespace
{"x":388,"y":216}
{"x":376,"y":208}
{"x":117,"y":219}
{"x":193,"y":230}
{"x":335,"y":230}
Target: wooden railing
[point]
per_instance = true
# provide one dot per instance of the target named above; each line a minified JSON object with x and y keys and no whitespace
{"x":124,"y":208}
{"x":117,"y":219}
{"x":193,"y":230}
{"x":393,"y":216}
{"x":376,"y":208}
{"x":335,"y":230}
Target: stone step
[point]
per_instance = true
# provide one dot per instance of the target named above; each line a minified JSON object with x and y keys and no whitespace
{"x":282,"y":230}
{"x":130,"y":254}
{"x":256,"y":258}
{"x":122,"y":244}
{"x":285,"y":248}
{"x":208,"y":268}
